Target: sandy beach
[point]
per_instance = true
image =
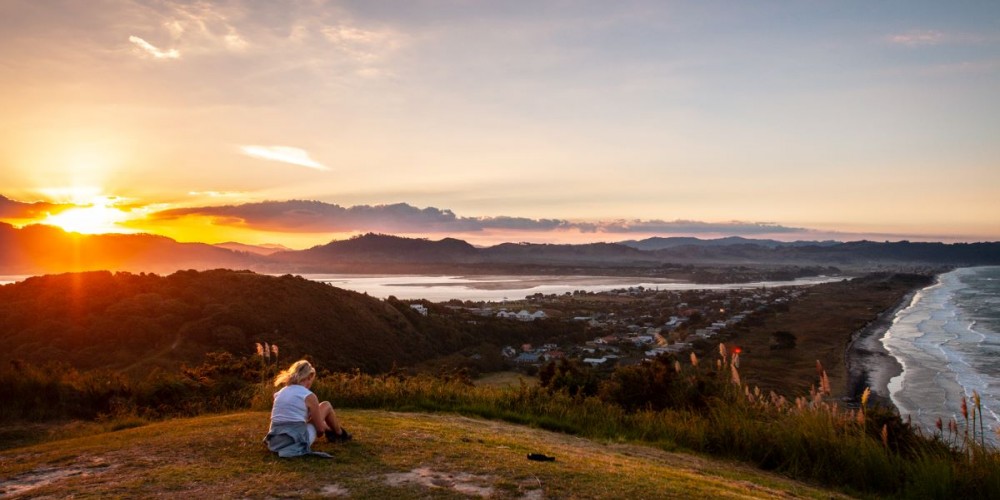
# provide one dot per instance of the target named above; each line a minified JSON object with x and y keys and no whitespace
{"x":869,"y":364}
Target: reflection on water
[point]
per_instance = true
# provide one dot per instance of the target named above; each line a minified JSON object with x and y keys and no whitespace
{"x":498,"y":288}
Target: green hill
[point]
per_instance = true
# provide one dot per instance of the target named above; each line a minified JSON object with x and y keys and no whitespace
{"x":395,"y":455}
{"x":133,"y":322}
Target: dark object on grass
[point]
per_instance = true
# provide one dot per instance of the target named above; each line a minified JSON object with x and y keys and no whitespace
{"x":343,"y":437}
{"x":538,"y":457}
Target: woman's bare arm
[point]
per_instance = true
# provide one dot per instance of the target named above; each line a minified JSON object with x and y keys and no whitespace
{"x":312,"y":405}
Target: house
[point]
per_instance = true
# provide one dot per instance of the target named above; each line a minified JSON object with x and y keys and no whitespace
{"x":678,"y":347}
{"x":420,"y":308}
{"x":554,"y":355}
{"x":595,"y":361}
{"x":642,"y":339}
{"x":528,"y":358}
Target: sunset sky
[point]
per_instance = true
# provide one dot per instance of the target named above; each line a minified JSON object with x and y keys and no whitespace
{"x":299,"y":122}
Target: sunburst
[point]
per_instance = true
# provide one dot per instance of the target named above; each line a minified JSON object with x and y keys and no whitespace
{"x":98,"y":216}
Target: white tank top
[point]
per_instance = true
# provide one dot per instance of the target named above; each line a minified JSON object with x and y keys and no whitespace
{"x":290,"y":404}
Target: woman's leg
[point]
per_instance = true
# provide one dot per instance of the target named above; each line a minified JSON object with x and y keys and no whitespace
{"x":330,"y":417}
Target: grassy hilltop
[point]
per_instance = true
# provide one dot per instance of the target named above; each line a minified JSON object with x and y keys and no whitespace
{"x":395,"y":455}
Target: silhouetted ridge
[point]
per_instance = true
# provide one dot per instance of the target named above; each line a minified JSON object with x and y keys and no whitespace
{"x":373,"y":247}
{"x":130,"y":321}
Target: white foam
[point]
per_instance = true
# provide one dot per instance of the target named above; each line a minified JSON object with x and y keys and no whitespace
{"x":941,"y":351}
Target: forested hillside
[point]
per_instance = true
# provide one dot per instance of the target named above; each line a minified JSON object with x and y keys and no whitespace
{"x":132,"y":322}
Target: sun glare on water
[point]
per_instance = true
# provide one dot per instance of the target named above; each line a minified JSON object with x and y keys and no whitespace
{"x":100,"y":216}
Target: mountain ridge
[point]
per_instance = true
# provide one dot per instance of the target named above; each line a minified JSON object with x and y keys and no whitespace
{"x":38,"y":249}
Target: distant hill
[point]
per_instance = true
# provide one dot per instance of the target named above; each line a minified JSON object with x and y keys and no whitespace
{"x":132,"y":322}
{"x":594,"y":254}
{"x":39,"y":249}
{"x":265,"y":249}
{"x":383,"y":248}
{"x":660,"y":243}
{"x":42,"y":249}
{"x":392,"y":252}
{"x":858,"y":253}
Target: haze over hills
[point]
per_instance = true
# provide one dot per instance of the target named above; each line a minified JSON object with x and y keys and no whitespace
{"x":265,"y":249}
{"x":40,"y":249}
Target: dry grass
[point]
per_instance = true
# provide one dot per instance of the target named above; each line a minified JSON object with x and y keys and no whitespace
{"x":395,"y":455}
{"x":823,"y":321}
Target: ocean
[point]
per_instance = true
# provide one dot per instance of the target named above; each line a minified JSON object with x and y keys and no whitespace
{"x":948,"y":342}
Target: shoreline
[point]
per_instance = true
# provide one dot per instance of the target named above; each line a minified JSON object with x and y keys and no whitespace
{"x":868,"y":362}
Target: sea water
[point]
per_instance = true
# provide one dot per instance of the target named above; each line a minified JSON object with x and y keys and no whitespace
{"x":948,"y":342}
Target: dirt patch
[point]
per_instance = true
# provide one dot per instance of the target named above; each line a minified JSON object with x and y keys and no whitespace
{"x":45,"y":476}
{"x":334,"y":490}
{"x":462,"y":482}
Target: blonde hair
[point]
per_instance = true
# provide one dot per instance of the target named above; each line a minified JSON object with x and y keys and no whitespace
{"x":295,"y":374}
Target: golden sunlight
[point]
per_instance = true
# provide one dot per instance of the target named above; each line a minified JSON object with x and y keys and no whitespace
{"x":101,"y":216}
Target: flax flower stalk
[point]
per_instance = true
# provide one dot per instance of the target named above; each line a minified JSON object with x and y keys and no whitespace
{"x":979,"y":409}
{"x":965,"y":415}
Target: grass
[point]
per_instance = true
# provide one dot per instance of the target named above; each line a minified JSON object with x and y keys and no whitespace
{"x":505,"y":379}
{"x":395,"y":455}
{"x":868,"y":453}
{"x":811,"y":438}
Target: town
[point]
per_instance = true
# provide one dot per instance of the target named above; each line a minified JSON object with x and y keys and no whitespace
{"x":626,"y":326}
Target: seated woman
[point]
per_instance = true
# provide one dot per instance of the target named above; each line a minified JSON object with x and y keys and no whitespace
{"x":297,"y":416}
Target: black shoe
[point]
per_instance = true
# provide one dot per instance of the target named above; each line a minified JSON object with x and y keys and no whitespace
{"x":333,"y":437}
{"x":344,"y":435}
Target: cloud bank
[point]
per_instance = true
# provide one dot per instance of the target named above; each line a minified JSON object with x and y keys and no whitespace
{"x":316,"y":217}
{"x":10,"y":209}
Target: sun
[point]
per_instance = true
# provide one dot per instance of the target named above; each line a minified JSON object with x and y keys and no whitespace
{"x":98,"y":217}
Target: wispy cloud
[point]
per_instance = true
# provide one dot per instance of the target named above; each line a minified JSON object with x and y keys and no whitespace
{"x":367,"y":48}
{"x":317,"y":217}
{"x":216,"y":194}
{"x":152,"y":50}
{"x":284,"y":154}
{"x":917,"y":38}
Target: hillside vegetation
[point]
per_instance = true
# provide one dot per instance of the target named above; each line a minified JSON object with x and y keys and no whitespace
{"x":133,"y":322}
